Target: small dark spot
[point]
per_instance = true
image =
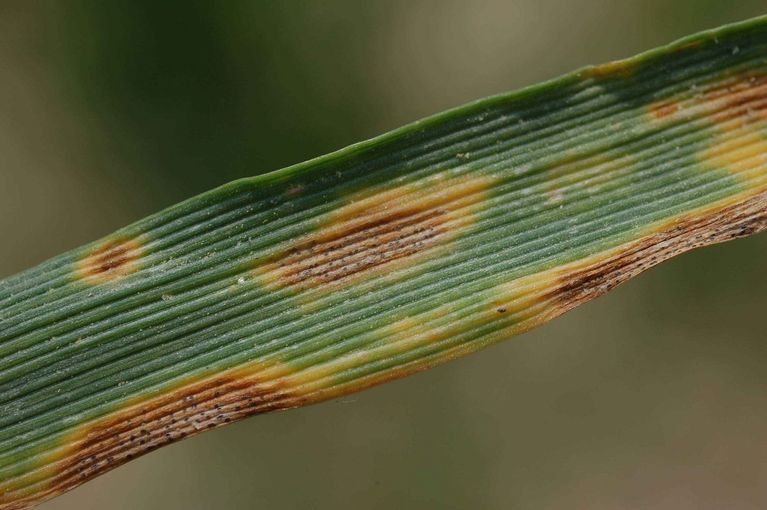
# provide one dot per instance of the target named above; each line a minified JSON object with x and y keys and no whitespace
{"x":111,"y":260}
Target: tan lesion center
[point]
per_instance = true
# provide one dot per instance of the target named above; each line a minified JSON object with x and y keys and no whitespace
{"x":110,"y":261}
{"x":376,"y":231}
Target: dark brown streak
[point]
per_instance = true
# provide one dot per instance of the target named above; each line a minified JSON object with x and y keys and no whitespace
{"x":741,"y":99}
{"x":140,"y":429}
{"x":110,"y":261}
{"x":360,"y":247}
{"x":110,"y":257}
{"x":745,"y":99}
{"x":732,"y":222}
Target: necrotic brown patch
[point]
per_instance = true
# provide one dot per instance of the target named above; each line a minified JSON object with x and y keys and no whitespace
{"x":740,"y":97}
{"x":388,"y":237}
{"x":543,"y":296}
{"x":660,"y":111}
{"x":679,"y":236}
{"x":740,"y":116}
{"x":110,"y":261}
{"x":374,"y":232}
{"x":106,"y":443}
{"x":744,"y":98}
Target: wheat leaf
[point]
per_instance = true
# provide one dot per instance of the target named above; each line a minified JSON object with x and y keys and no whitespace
{"x":379,"y":260}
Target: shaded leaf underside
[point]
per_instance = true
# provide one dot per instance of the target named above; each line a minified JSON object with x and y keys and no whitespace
{"x":379,"y":260}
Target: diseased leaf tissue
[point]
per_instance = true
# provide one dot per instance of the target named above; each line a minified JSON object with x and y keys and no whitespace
{"x":379,"y":260}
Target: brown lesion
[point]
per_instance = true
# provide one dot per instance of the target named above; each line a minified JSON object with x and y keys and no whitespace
{"x":735,"y":107}
{"x":663,"y":109}
{"x":575,"y":287}
{"x":744,"y":98}
{"x":735,"y":97}
{"x":375,"y":232}
{"x":110,"y":261}
{"x":378,"y":241}
{"x":537,"y":298}
{"x":739,"y":145}
{"x":108,"y":442}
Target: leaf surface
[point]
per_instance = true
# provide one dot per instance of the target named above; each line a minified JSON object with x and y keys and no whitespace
{"x":379,"y":260}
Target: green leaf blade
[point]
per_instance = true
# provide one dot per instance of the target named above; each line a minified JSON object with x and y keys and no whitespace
{"x":379,"y":260}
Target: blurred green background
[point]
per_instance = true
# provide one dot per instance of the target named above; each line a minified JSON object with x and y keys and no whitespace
{"x":653,"y":397}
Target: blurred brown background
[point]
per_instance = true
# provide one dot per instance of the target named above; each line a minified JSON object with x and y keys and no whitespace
{"x":654,"y":397}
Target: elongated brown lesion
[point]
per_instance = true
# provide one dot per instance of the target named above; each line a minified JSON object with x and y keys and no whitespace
{"x":106,"y":443}
{"x":696,"y":230}
{"x":735,"y":107}
{"x":537,"y":298}
{"x":110,"y":261}
{"x":740,"y":97}
{"x":744,"y":98}
{"x":376,"y":232}
{"x":378,"y":241}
